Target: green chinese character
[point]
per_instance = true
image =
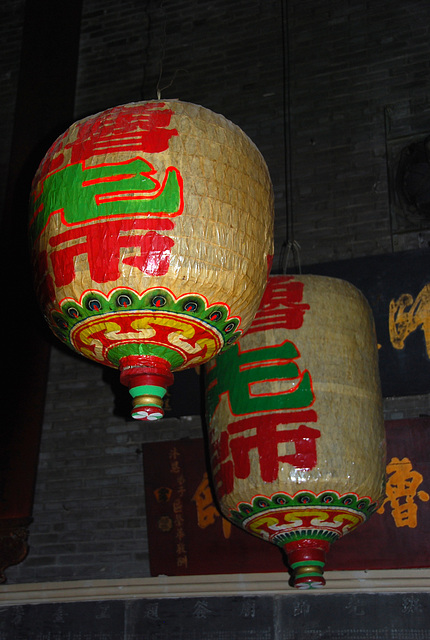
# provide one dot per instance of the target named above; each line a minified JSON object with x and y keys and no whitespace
{"x":107,"y":190}
{"x":235,"y":372}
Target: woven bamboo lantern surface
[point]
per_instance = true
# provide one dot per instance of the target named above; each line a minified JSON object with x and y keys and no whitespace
{"x":295,"y":417}
{"x":151,"y":229}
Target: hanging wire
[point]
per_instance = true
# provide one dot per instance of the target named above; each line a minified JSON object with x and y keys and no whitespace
{"x":147,"y":36}
{"x":162,"y":41}
{"x":163,"y":54}
{"x":293,"y":251}
{"x":158,"y":88}
{"x":290,"y":248}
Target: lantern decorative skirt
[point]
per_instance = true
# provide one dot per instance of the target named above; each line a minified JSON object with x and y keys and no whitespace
{"x":294,"y":413}
{"x":151,"y":232}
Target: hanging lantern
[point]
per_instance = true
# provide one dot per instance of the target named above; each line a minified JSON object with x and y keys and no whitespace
{"x":151,"y":235}
{"x":294,"y":413}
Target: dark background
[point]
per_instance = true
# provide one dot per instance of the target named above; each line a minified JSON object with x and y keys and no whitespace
{"x":332,"y":93}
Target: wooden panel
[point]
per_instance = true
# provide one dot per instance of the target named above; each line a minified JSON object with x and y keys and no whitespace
{"x":397,"y":287}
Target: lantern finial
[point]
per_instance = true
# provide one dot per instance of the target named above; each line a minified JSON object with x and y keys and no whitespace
{"x":147,"y":379}
{"x":306,"y":559}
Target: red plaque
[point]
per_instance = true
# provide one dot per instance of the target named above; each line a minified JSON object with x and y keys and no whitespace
{"x":188,"y":536}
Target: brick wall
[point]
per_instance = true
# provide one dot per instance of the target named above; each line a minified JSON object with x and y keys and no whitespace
{"x":89,"y":510}
{"x":113,"y":45}
{"x":349,"y":64}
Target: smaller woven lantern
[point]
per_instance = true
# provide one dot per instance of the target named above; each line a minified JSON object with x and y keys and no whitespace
{"x":151,"y":230}
{"x":294,"y":414}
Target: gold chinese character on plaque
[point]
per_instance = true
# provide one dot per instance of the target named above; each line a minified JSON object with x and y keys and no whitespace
{"x":402,"y":490}
{"x":406,"y":315}
{"x":206,"y":510}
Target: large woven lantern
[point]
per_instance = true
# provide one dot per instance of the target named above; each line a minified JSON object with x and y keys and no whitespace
{"x":294,"y":413}
{"x":151,"y":234}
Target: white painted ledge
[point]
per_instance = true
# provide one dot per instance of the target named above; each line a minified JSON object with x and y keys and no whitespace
{"x":388,"y":581}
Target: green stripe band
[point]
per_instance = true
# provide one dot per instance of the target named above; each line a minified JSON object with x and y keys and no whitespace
{"x":148,"y":389}
{"x":308,"y":563}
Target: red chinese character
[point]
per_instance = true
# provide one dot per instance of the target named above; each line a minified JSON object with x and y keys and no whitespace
{"x":141,"y":129}
{"x":281,"y":306}
{"x":154,"y":258}
{"x":266,"y":437}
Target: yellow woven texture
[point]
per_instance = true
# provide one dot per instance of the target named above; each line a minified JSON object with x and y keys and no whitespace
{"x":337,"y":346}
{"x":225,"y":233}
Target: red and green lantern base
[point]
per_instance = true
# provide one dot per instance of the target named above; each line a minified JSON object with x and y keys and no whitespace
{"x":304,"y":526}
{"x":146,"y":337}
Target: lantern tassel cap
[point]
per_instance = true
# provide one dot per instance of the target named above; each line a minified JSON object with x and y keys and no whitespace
{"x":306,"y":559}
{"x":147,"y":379}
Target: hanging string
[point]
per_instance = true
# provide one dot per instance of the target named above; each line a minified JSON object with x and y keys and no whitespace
{"x":293,"y":252}
{"x":163,"y":53}
{"x":150,"y":37}
{"x":162,"y":41}
{"x":290,"y":248}
{"x":159,"y":89}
